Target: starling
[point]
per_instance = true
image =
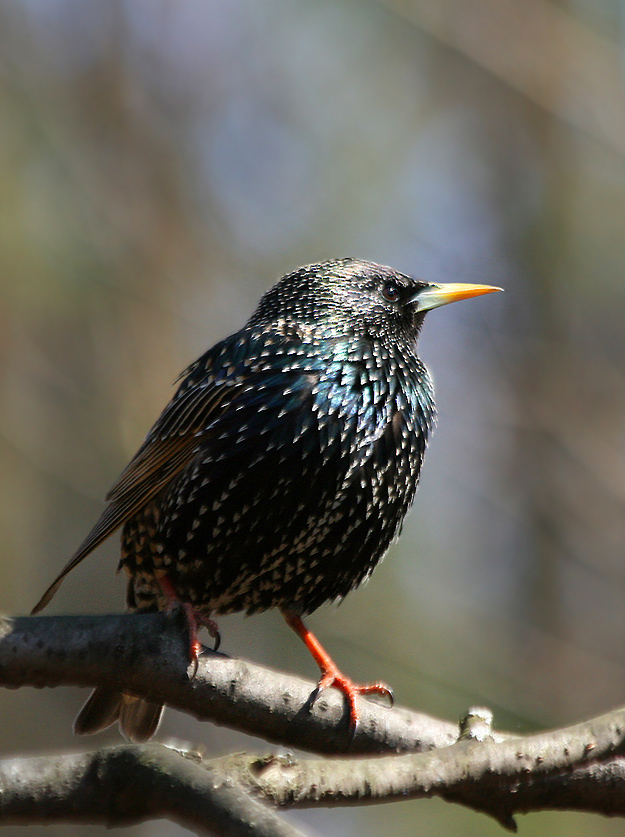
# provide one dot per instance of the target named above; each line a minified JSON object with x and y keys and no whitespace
{"x":283,"y":467}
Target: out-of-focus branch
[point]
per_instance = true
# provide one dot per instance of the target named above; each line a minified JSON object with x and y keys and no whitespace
{"x":569,"y":769}
{"x":130,"y":784}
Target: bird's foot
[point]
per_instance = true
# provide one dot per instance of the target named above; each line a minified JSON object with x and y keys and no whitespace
{"x":192,"y":617}
{"x":332,"y":676}
{"x":211,"y":627}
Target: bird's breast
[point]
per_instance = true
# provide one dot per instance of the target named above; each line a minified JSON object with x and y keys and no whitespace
{"x":295,"y":494}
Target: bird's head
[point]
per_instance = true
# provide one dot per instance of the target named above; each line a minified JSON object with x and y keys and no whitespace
{"x":353,"y":298}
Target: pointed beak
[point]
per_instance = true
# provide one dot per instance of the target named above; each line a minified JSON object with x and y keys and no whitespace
{"x":435,"y":295}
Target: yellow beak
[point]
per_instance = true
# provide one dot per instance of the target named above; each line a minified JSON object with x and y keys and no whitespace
{"x":435,"y":295}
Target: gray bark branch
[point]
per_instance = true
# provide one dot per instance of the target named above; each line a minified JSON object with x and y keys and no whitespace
{"x":129,"y":784}
{"x":147,"y":655}
{"x":577,"y":768}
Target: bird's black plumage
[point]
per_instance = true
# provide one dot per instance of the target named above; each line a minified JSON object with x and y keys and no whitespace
{"x":283,"y":467}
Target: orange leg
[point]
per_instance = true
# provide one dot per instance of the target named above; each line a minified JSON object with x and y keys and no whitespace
{"x":330,"y":673}
{"x":192,"y":616}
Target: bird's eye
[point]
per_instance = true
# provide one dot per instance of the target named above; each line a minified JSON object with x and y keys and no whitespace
{"x":391,"y":292}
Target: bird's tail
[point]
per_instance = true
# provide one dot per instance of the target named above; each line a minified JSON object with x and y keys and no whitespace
{"x":138,"y":718}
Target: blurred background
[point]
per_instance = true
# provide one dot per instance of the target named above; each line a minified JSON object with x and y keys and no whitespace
{"x":162,"y":163}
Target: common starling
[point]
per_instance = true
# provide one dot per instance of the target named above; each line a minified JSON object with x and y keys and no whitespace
{"x":283,"y":467}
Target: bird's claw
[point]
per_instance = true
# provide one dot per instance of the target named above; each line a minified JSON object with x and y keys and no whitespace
{"x":211,"y":627}
{"x":192,"y":618}
{"x":334,"y":677}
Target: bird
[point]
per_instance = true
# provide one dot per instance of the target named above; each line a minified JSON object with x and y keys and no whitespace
{"x":282,"y":469}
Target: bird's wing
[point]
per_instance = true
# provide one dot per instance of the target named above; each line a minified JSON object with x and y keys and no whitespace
{"x":169,"y":447}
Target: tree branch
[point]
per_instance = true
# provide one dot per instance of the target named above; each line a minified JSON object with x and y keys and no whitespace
{"x":570,"y":769}
{"x":578,"y":768}
{"x":147,"y":655}
{"x":124,"y":785}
